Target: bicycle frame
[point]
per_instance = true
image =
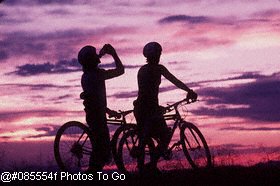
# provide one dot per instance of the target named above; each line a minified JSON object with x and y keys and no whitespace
{"x":177,"y":120}
{"x":121,"y":120}
{"x":191,"y":141}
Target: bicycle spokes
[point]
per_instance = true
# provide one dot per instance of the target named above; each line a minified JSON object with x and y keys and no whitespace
{"x":194,"y":146}
{"x":73,"y":147}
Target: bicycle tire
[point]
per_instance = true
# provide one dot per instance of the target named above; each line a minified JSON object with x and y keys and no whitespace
{"x":128,"y":152}
{"x":73,"y":147}
{"x":117,"y":136}
{"x":195,"y":146}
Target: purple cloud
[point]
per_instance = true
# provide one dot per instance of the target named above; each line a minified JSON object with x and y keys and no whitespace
{"x":49,"y":131}
{"x":261,"y":98}
{"x":62,"y":66}
{"x":3,"y":55}
{"x":59,"y":44}
{"x":185,"y":18}
{"x":38,"y":2}
{"x":35,"y":86}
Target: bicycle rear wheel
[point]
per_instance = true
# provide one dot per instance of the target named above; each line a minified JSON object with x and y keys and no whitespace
{"x":73,"y":147}
{"x":194,"y":146}
{"x":129,"y":152}
{"x":117,"y":136}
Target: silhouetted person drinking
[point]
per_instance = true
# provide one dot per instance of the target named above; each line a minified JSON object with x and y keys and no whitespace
{"x":94,"y":95}
{"x":147,"y":111}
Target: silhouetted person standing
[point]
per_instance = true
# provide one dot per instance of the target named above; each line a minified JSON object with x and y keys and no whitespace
{"x":94,"y":95}
{"x":147,"y":111}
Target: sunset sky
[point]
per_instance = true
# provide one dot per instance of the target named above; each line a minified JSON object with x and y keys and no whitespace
{"x":227,"y":51}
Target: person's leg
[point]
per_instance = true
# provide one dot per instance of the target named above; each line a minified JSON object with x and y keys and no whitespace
{"x":141,"y":155}
{"x":159,"y":131}
{"x":101,"y":140}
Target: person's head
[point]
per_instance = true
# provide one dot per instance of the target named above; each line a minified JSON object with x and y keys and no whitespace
{"x":88,"y":58}
{"x":152,"y":52}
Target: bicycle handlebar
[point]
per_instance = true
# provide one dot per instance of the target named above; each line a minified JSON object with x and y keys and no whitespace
{"x":121,"y":114}
{"x":174,"y":106}
{"x":168,"y":108}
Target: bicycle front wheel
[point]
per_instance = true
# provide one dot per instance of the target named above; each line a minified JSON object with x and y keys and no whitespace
{"x":73,"y":147}
{"x":194,"y":146}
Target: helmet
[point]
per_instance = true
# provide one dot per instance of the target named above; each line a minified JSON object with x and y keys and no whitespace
{"x":152,"y":49}
{"x":86,"y":54}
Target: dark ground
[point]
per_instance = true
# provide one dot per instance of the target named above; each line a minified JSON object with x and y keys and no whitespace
{"x":261,"y":174}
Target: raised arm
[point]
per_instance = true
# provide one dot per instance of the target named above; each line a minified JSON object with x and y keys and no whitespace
{"x":173,"y":79}
{"x":191,"y":94}
{"x":119,"y":70}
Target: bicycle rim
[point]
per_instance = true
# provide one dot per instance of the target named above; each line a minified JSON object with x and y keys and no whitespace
{"x":73,"y":147}
{"x":194,"y":146}
{"x":117,"y":136}
{"x":128,"y":153}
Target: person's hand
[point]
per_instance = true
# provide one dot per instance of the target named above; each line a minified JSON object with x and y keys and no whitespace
{"x":162,"y":109}
{"x":113,"y":113}
{"x":192,"y":96}
{"x":107,"y":49}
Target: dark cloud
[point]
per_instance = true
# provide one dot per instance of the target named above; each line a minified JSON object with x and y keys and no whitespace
{"x":2,"y":14}
{"x":5,"y":137}
{"x":3,"y":55}
{"x":229,"y":28}
{"x":59,"y":45}
{"x":243,"y":76}
{"x":35,"y":86}
{"x":60,"y":12}
{"x":49,"y":131}
{"x":21,"y":43}
{"x":246,"y":75}
{"x":131,"y":94}
{"x":267,"y":13}
{"x":59,"y":98}
{"x":260,"y":98}
{"x":62,"y":66}
{"x":134,"y":94}
{"x":55,"y":44}
{"x":38,"y":2}
{"x":185,"y":18}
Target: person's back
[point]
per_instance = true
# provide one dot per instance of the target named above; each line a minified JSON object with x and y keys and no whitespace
{"x":94,"y":96}
{"x":93,"y":84}
{"x":149,"y":79}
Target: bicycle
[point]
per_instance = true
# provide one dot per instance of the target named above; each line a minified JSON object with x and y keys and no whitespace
{"x":73,"y":142}
{"x":191,"y":140}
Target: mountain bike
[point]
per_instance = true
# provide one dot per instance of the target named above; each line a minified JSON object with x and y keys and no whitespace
{"x":74,"y":140}
{"x":191,"y":141}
